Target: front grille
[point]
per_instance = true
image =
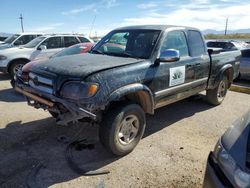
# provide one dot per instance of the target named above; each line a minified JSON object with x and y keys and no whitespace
{"x":41,"y":83}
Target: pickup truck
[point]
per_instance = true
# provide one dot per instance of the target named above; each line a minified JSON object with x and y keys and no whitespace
{"x":130,"y":72}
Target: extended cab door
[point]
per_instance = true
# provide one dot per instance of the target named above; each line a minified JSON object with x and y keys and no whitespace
{"x":175,"y":80}
{"x":200,"y":58}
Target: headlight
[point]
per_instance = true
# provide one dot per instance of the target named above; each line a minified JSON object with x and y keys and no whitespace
{"x":78,"y":90}
{"x":230,"y":168}
{"x":2,"y":57}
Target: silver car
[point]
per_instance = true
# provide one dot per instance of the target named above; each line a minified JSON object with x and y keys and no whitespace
{"x":12,"y":59}
{"x":18,"y":39}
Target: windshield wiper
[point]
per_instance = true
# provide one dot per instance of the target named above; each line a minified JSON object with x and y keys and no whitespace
{"x":127,"y":54}
{"x":97,"y":52}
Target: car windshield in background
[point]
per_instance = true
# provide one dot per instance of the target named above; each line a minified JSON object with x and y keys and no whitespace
{"x":34,"y":42}
{"x":70,"y":51}
{"x":131,"y":43}
{"x":11,"y":39}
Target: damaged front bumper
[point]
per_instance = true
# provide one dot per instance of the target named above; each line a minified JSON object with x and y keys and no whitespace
{"x":71,"y":113}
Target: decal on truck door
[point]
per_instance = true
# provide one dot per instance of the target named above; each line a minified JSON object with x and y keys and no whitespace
{"x":176,"y":75}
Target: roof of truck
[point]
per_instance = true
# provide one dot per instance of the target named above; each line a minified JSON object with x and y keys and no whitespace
{"x":154,"y":27}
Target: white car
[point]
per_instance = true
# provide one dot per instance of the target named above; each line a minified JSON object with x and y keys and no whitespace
{"x":12,"y":59}
{"x":18,"y":39}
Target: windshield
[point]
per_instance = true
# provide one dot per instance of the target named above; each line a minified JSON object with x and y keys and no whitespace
{"x":128,"y":43}
{"x":34,"y":42}
{"x":11,"y":39}
{"x":70,"y":51}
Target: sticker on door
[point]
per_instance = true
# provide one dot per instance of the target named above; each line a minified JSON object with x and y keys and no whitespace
{"x":176,"y":75}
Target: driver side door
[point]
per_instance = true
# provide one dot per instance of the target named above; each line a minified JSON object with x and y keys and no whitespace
{"x":173,"y":78}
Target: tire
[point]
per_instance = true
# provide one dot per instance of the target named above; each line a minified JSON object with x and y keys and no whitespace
{"x":14,"y":67}
{"x":117,"y":137}
{"x":216,"y":96}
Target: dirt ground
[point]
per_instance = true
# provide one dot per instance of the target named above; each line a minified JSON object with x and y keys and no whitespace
{"x":172,"y":153}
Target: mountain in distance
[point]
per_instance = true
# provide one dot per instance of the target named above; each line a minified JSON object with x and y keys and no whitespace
{"x":2,"y":34}
{"x":211,"y":31}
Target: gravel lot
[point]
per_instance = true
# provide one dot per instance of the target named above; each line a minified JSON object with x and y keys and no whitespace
{"x":172,"y":153}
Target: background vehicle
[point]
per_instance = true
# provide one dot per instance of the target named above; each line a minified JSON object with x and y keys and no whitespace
{"x":115,"y":86}
{"x":227,"y":45}
{"x":23,"y":74}
{"x":229,"y":164}
{"x":245,"y":64}
{"x":12,"y":59}
{"x":18,"y":39}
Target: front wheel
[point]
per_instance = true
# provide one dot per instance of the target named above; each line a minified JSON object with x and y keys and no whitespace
{"x":216,"y":96}
{"x":15,"y":67}
{"x":122,"y":128}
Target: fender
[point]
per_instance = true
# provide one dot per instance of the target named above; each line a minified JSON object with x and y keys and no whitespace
{"x":143,"y":93}
{"x":225,"y":70}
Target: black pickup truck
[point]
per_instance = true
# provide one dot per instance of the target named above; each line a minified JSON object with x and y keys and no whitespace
{"x":131,"y":71}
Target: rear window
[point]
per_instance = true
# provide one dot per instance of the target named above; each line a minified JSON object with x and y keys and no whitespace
{"x":245,"y":53}
{"x":196,"y":44}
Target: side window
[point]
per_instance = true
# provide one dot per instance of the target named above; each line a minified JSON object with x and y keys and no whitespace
{"x":24,"y":39}
{"x":53,"y":42}
{"x":69,"y":41}
{"x":196,"y":44}
{"x":83,"y":39}
{"x":176,"y":40}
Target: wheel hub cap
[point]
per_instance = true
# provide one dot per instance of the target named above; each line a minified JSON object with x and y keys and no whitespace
{"x":128,"y":129}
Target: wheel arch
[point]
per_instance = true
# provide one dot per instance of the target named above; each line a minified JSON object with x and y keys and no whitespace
{"x":138,"y":93}
{"x":226,"y":70}
{"x":15,"y":60}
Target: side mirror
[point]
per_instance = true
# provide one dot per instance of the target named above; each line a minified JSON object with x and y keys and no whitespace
{"x":210,"y":51}
{"x":169,"y":55}
{"x":42,"y":47}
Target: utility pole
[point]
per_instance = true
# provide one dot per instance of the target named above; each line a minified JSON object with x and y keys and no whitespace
{"x":226,"y":27}
{"x":21,"y":18}
{"x":92,"y":26}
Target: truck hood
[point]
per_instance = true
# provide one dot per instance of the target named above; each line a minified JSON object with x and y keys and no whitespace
{"x":235,"y":139}
{"x":82,"y":65}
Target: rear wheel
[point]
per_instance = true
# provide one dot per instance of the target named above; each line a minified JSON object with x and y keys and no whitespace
{"x":15,"y":67}
{"x":122,"y":128}
{"x":216,"y":96}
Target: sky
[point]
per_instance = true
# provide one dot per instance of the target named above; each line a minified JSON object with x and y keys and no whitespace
{"x":79,"y":16}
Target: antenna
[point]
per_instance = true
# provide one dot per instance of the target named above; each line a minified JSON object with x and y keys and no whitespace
{"x":92,"y":26}
{"x":21,"y":18}
{"x":226,"y":27}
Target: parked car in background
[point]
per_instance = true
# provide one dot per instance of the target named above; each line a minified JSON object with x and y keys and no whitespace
{"x":18,"y":39}
{"x":23,"y":74}
{"x":229,"y":164}
{"x":245,"y":64}
{"x":130,"y":72}
{"x":12,"y":59}
{"x":227,"y":45}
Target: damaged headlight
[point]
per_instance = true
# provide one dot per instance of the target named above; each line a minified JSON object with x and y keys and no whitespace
{"x":234,"y":173}
{"x":78,"y":90}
